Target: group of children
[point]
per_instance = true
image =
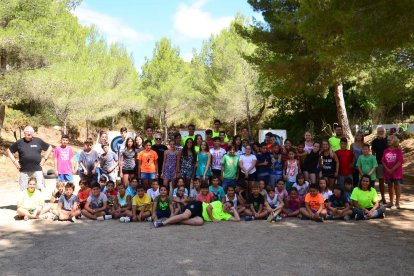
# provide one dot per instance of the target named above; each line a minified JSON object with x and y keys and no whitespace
{"x":260,"y":181}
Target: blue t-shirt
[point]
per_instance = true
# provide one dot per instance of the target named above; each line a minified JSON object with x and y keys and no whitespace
{"x":218,"y":193}
{"x":338,"y":202}
{"x":176,"y":189}
{"x":276,"y":169}
{"x":130,"y":191}
{"x":67,"y":204}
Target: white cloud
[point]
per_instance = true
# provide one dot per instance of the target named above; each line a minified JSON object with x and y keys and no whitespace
{"x":192,"y":22}
{"x":113,"y":28}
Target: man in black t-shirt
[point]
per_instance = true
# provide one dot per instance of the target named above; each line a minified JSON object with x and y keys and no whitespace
{"x":30,"y":160}
{"x":159,"y":149}
{"x":379,"y":144}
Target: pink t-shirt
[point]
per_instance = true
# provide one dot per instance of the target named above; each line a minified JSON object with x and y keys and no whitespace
{"x":207,"y":199}
{"x":293,"y":204}
{"x":390,"y":158}
{"x":281,"y":194}
{"x":63,"y":157}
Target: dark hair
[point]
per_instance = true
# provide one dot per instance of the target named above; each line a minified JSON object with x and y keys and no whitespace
{"x":196,"y":179}
{"x":336,"y":187}
{"x":120,"y":185}
{"x":148,"y":127}
{"x":292,"y":150}
{"x":348,"y":180}
{"x":215,"y":177}
{"x":65,"y":136}
{"x":123,"y":129}
{"x":242,"y":184}
{"x":227,"y":188}
{"x":280,"y":180}
{"x":217,"y":121}
{"x":229,"y":202}
{"x":162,"y":186}
{"x":204,"y":185}
{"x":222,"y":131}
{"x":191,"y":125}
{"x":287,"y":140}
{"x":237,"y":147}
{"x":110,"y":182}
{"x":231,"y":147}
{"x":104,"y":145}
{"x":185,"y":149}
{"x":360,"y":181}
{"x":96,"y":185}
{"x":207,"y":147}
{"x":103,"y":179}
{"x":178,"y":179}
{"x":154,"y":181}
{"x":83,"y":181}
{"x":344,"y":140}
{"x":366,"y":146}
{"x":133,"y":143}
{"x":196,"y":136}
{"x":147,"y":141}
{"x":216,"y":139}
{"x":88,"y":141}
{"x":263,"y":144}
{"x":176,"y":135}
{"x":269,"y":134}
{"x":209,"y":132}
{"x":140,"y":187}
{"x":294,"y":189}
{"x":70,"y":185}
{"x":300,"y":176}
{"x":269,"y":188}
{"x":314,"y":186}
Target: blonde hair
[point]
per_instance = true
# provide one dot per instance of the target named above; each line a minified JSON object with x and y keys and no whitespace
{"x":60,"y":184}
{"x":395,"y":141}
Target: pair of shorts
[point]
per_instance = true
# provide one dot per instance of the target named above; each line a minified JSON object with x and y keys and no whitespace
{"x":263,"y":177}
{"x":128,"y":171}
{"x":251,"y":177}
{"x":329,"y":175}
{"x":147,"y":176}
{"x":65,"y":177}
{"x":24,"y":180}
{"x":229,"y":182}
{"x":216,"y":172}
{"x":163,"y":214}
{"x":380,"y":171}
{"x":394,"y":181}
{"x":196,"y":209}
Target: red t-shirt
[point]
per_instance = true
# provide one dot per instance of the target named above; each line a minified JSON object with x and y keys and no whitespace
{"x":83,"y":196}
{"x":207,"y":199}
{"x":345,"y":158}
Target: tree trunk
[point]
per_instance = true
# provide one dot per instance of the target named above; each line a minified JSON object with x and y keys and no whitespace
{"x":341,"y":111}
{"x":87,"y":129}
{"x":3,"y":68}
{"x":65,"y":126}
{"x":235,"y":126}
{"x":165,"y":126}
{"x":249,"y":118}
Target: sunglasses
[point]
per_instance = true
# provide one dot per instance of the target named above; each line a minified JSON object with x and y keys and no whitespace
{"x":157,"y":139}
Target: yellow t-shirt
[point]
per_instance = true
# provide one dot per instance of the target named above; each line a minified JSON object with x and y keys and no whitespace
{"x":30,"y":201}
{"x":140,"y":201}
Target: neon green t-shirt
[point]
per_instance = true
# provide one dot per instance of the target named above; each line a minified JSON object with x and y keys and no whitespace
{"x":335,"y":143}
{"x":30,"y":201}
{"x":365,"y":199}
{"x":217,"y":211}
{"x":217,"y":134}
{"x":185,"y":139}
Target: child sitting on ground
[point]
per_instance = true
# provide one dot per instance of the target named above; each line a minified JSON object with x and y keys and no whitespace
{"x":141,"y":205}
{"x":68,"y":206}
{"x":196,"y":190}
{"x":273,"y":205}
{"x":56,"y":194}
{"x":205,"y":195}
{"x":323,"y":188}
{"x":96,"y":205}
{"x":180,"y":200}
{"x":216,"y":189}
{"x":30,"y":204}
{"x":162,"y":207}
{"x":122,"y":205}
{"x":262,"y":188}
{"x":234,"y":198}
{"x":154,"y":191}
{"x":349,"y":186}
{"x":314,"y":205}
{"x":241,"y":192}
{"x":83,"y":193}
{"x":301,"y":185}
{"x":293,"y":204}
{"x":256,"y":205}
{"x":338,"y":206}
{"x":280,"y":190}
{"x":111,"y":194}
{"x":131,"y":190}
{"x":180,"y":183}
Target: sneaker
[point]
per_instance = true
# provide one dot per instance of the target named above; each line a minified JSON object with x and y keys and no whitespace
{"x":17,"y":217}
{"x":72,"y":219}
{"x":283,"y":215}
{"x":248,"y":218}
{"x":330,"y":217}
{"x":319,"y":219}
{"x":347,"y":218}
{"x":108,"y":217}
{"x":26,"y":218}
{"x":158,"y":224}
{"x":304,"y":218}
{"x":122,"y":219}
{"x":270,"y":218}
{"x":278,"y":218}
{"x":100,"y":218}
{"x":82,"y":217}
{"x":55,"y":218}
{"x":127,"y":219}
{"x":148,"y":219}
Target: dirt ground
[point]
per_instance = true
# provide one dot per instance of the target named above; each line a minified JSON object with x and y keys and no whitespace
{"x":291,"y":247}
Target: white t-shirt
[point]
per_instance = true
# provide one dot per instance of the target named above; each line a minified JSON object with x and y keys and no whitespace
{"x":302,"y":190}
{"x":326,"y":194}
{"x":153,"y":194}
{"x":216,"y":156}
{"x":247,"y":162}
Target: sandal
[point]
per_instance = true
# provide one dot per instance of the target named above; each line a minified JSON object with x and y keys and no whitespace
{"x":390,"y":205}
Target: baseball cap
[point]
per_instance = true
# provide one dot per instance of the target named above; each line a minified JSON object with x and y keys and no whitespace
{"x":28,"y":129}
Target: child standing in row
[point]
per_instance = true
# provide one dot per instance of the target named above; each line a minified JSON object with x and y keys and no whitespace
{"x":292,"y":168}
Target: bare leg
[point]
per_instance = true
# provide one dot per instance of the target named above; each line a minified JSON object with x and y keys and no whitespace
{"x":125,"y":179}
{"x":196,"y":221}
{"x":312,"y":178}
{"x":306,"y":174}
{"x":398,"y":194}
{"x":382,"y":189}
{"x":179,"y":218}
{"x":391,"y":193}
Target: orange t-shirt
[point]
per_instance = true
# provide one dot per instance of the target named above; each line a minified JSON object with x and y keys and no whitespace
{"x":314,"y":201}
{"x":148,"y":159}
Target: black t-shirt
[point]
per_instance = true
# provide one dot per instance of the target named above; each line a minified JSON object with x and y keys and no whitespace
{"x":378,"y":147}
{"x":261,"y":158}
{"x":338,"y":202}
{"x":311,"y":161}
{"x":29,"y":153}
{"x":159,"y":149}
{"x":256,"y":201}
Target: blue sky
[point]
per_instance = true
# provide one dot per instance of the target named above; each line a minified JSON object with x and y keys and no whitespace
{"x":138,"y":24}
